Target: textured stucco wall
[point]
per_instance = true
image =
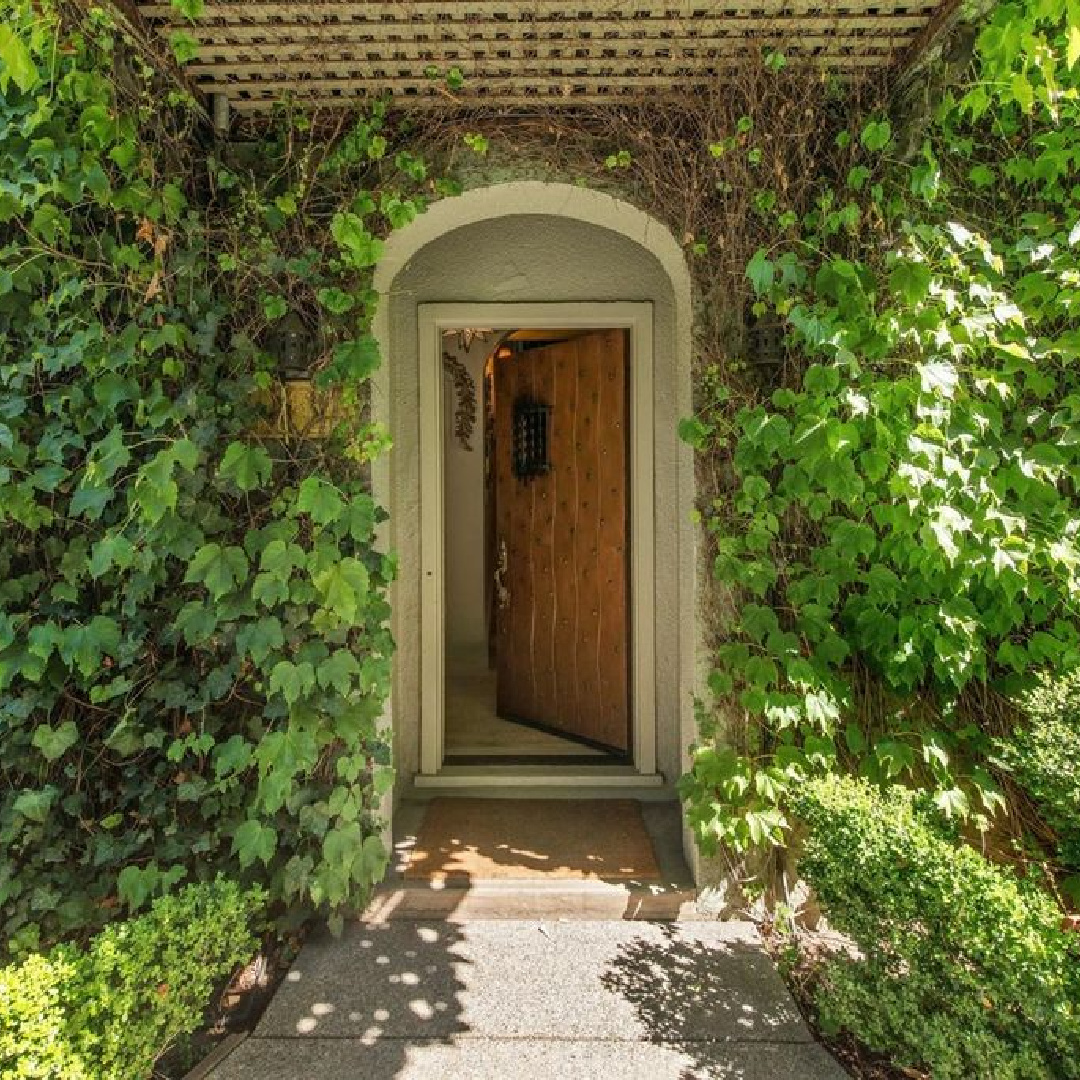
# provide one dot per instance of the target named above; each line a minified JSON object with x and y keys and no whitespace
{"x":535,"y":258}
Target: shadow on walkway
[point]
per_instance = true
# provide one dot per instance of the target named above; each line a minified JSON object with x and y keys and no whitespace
{"x":720,"y":1004}
{"x":357,"y":1005}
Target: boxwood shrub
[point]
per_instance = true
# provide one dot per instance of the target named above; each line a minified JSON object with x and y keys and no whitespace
{"x":108,"y":1012}
{"x":1043,"y":753}
{"x":961,"y":969}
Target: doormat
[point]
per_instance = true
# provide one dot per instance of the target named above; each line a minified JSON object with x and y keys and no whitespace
{"x":491,"y":839}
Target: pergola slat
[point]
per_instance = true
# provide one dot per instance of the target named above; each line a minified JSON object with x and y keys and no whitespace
{"x":492,"y":87}
{"x":241,"y":65}
{"x":450,"y":10}
{"x":778,"y":29}
{"x":525,"y":50}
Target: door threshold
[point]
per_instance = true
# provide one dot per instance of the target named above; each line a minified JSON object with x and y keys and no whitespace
{"x":544,"y":781}
{"x":502,"y":760}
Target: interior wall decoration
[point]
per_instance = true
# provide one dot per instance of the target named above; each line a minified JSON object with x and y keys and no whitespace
{"x":464,"y":398}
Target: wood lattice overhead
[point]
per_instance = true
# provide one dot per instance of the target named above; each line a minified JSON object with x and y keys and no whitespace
{"x":525,"y":53}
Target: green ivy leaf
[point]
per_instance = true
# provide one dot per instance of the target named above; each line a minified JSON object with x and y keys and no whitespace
{"x":219,"y":568}
{"x":185,"y":48}
{"x":761,"y":272}
{"x":952,"y":802}
{"x":1072,"y":36}
{"x":274,"y":307}
{"x":55,"y":742}
{"x":360,"y":247}
{"x":373,"y":861}
{"x":910,"y":281}
{"x":136,"y":884}
{"x":1022,"y":91}
{"x":232,"y":756}
{"x":335,"y":300}
{"x":261,"y":638}
{"x":775,"y":61}
{"x":343,"y":588}
{"x":356,"y":359}
{"x":254,"y":840}
{"x":694,"y":432}
{"x":16,"y":63}
{"x":320,"y":500}
{"x":83,"y":647}
{"x":339,"y":671}
{"x":197,"y":621}
{"x":34,"y":805}
{"x":269,"y":590}
{"x":400,"y":212}
{"x":279,"y":559}
{"x":876,"y":135}
{"x":110,"y":551}
{"x":248,"y":467}
{"x":292,"y":681}
{"x":189,"y":9}
{"x":478,"y":144}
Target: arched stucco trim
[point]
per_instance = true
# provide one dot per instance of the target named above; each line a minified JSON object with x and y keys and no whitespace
{"x":535,"y":197}
{"x":602,"y":211}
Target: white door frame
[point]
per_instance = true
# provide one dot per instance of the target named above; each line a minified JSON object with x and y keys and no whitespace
{"x":433,"y":319}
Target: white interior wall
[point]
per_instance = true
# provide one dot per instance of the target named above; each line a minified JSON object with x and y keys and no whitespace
{"x":466,"y":615}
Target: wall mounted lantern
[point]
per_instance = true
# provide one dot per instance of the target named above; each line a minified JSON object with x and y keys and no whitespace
{"x":765,"y":344}
{"x":293,"y":345}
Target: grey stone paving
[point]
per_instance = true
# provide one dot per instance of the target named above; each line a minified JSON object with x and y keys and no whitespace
{"x":531,"y":1000}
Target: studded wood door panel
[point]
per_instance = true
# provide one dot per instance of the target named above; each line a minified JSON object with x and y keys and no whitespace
{"x":562,"y":592}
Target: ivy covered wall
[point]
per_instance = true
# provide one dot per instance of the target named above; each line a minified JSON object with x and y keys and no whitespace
{"x":194,"y":650}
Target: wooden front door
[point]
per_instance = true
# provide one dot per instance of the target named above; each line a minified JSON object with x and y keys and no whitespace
{"x":561,"y":537}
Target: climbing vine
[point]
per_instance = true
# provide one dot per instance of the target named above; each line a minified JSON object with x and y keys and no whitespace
{"x":901,"y":540}
{"x":194,"y":650}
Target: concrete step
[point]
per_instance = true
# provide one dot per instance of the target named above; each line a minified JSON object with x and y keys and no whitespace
{"x":542,"y":782}
{"x":672,"y":898}
{"x":532,"y":999}
{"x":533,"y":899}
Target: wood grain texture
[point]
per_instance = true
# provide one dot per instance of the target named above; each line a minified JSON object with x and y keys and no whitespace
{"x":562,"y":642}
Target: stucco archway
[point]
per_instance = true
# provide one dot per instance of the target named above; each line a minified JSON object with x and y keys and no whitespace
{"x":536,"y":243}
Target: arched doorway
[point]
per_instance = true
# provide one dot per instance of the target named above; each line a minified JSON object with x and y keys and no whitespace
{"x":539,"y":255}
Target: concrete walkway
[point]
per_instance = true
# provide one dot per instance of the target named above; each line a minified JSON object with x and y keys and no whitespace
{"x":532,"y":1000}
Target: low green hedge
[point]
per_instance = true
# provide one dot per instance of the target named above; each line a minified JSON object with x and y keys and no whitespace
{"x":964,"y":970}
{"x":108,"y":1012}
{"x":1044,"y":756}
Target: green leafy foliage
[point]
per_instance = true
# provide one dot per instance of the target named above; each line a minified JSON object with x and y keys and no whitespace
{"x":477,"y":143}
{"x":963,"y":971}
{"x":109,"y":1011}
{"x":1043,"y":753}
{"x":194,"y":649}
{"x":900,"y":537}
{"x":184,"y":47}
